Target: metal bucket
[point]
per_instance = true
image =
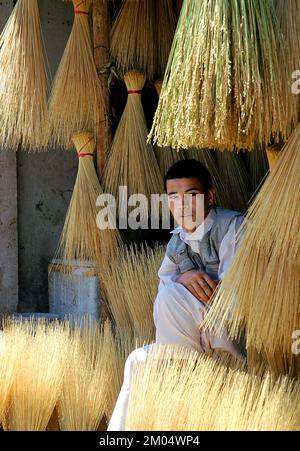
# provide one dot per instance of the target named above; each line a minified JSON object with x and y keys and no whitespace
{"x":74,"y":293}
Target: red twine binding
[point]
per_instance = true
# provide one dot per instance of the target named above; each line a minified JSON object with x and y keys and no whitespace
{"x":77,"y":11}
{"x":132,"y":91}
{"x":80,"y":155}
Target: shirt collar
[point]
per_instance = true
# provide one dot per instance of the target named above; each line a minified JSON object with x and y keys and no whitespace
{"x":200,"y":231}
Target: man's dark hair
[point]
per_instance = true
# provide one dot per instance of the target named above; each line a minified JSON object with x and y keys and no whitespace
{"x":187,"y":169}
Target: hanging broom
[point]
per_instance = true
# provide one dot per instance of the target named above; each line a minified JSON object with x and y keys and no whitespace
{"x":166,"y":395}
{"x":235,"y":178}
{"x":142,"y":35}
{"x":81,"y":238}
{"x":222,"y":87}
{"x":257,"y":166}
{"x":261,"y":291}
{"x":23,"y":80}
{"x":166,"y":157}
{"x":76,"y":92}
{"x":83,"y":397}
{"x":38,"y":380}
{"x":131,"y":161}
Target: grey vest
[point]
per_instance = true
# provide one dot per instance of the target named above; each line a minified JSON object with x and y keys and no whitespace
{"x":208,"y":257}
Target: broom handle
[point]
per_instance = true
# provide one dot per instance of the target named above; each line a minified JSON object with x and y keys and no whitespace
{"x":103,"y":126}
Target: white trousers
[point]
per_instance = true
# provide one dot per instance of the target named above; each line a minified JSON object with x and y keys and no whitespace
{"x":177,"y":317}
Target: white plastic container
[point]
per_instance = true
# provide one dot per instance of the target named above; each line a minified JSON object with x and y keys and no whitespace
{"x":76,"y":293}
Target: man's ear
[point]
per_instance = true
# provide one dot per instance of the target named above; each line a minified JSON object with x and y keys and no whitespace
{"x":211,"y":195}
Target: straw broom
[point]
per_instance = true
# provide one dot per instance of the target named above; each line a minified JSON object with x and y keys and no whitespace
{"x":288,"y":17}
{"x":124,"y":341}
{"x":222,"y":87}
{"x":23,"y":80}
{"x":81,"y":238}
{"x":12,"y":346}
{"x":166,"y":395}
{"x":257,"y":166}
{"x":83,"y":397}
{"x":141,"y":37}
{"x":131,"y":161}
{"x":235,"y":178}
{"x":166,"y":157}
{"x":264,"y":301}
{"x":131,"y":284}
{"x":38,"y":380}
{"x":76,"y":92}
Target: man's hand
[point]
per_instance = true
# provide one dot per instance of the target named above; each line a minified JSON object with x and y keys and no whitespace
{"x":198,"y":283}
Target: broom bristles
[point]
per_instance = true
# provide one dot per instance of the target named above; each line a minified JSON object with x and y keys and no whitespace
{"x":76,"y":93}
{"x":222,"y":87}
{"x":167,"y":395}
{"x":23,"y":84}
{"x":261,"y":290}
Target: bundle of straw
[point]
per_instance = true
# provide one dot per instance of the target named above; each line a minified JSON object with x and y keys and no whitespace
{"x":166,"y":157}
{"x":12,"y":345}
{"x":23,"y":80}
{"x":222,"y":87}
{"x":142,"y":35}
{"x":194,"y":394}
{"x":257,"y":165}
{"x":124,"y":341}
{"x":208,"y":158}
{"x":288,"y":17}
{"x":131,"y":161}
{"x":76,"y":92}
{"x":260,"y":293}
{"x":39,"y":377}
{"x":234,"y":175}
{"x":81,"y":238}
{"x":82,"y":400}
{"x":131,"y":284}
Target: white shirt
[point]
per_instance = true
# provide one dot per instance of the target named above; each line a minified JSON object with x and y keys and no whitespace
{"x":168,"y":270}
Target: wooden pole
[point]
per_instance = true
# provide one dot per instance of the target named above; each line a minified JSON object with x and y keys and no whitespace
{"x":101,"y":31}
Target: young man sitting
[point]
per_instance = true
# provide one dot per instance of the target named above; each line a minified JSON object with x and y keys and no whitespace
{"x":197,"y":256}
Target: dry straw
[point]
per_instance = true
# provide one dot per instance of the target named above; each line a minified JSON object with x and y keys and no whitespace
{"x":124,"y":341}
{"x":198,"y":393}
{"x":82,"y":400}
{"x":23,"y":80}
{"x":131,"y":284}
{"x":38,"y":380}
{"x":81,"y":237}
{"x":222,"y":87}
{"x":260,"y":292}
{"x":76,"y":92}
{"x":142,"y":35}
{"x":166,"y":157}
{"x":131,"y":161}
{"x":234,"y":175}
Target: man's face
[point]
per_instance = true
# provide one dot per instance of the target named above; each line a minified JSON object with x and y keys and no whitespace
{"x":187,"y":202}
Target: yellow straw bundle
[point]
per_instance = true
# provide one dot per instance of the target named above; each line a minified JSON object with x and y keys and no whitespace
{"x":76,"y":92}
{"x":195,"y":394}
{"x":235,"y":178}
{"x":81,"y":238}
{"x":142,"y":35}
{"x":131,"y":284}
{"x":23,"y":80}
{"x":166,"y":157}
{"x":222,"y":87}
{"x":131,"y":161}
{"x":82,"y":400}
{"x":121,"y":345}
{"x":260,"y":293}
{"x":37,"y":384}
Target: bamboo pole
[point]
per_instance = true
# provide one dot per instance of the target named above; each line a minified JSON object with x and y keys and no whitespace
{"x":103,"y":125}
